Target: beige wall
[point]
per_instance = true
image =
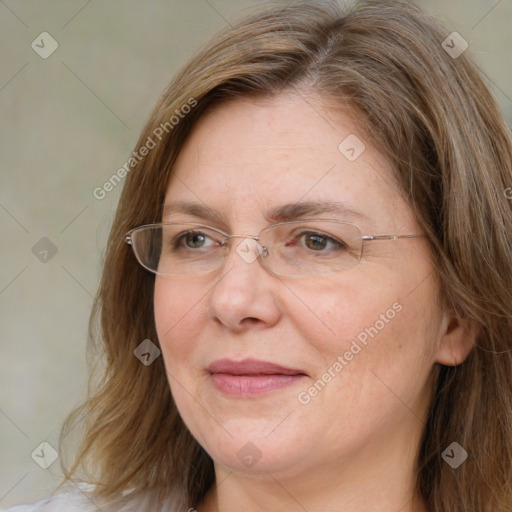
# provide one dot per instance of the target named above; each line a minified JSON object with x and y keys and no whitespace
{"x":68,"y":122}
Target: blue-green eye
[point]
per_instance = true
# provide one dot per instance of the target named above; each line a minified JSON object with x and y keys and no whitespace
{"x":192,"y":240}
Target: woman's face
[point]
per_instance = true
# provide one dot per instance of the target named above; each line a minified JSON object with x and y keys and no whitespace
{"x":359,"y":344}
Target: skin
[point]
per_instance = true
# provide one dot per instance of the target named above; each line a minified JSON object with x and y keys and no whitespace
{"x":354,"y":445}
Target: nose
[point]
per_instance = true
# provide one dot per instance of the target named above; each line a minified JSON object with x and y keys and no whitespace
{"x":246,"y":294}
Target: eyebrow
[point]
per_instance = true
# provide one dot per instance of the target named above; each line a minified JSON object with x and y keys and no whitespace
{"x":283,"y":213}
{"x":302,"y":209}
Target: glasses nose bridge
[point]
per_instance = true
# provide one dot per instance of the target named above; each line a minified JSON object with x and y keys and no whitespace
{"x":262,"y":251}
{"x":253,"y":237}
{"x":229,"y":237}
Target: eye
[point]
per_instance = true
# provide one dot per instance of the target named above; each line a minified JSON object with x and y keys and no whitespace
{"x":192,"y":240}
{"x":319,"y":242}
{"x":315,"y":241}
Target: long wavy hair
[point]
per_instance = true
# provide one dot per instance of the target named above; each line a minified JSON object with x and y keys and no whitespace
{"x":430,"y":112}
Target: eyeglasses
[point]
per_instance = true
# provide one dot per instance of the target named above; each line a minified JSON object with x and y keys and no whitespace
{"x":296,"y":248}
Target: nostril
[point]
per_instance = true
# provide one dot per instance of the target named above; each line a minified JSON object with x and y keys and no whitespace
{"x":251,"y":320}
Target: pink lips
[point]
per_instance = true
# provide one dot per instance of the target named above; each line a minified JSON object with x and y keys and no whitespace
{"x":251,"y":377}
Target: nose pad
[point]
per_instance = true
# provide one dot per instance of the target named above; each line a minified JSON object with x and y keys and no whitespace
{"x":249,"y":250}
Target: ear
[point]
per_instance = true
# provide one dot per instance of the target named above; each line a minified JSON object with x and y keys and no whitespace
{"x":457,"y":339}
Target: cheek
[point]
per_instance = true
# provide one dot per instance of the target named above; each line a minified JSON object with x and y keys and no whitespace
{"x":344,"y":310}
{"x":378,"y":358}
{"x":179,"y":316}
{"x":379,"y":324}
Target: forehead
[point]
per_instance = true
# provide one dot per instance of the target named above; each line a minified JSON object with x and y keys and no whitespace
{"x":247,"y":156}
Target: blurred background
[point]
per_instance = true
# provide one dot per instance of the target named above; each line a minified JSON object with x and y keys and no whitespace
{"x":78,"y":78}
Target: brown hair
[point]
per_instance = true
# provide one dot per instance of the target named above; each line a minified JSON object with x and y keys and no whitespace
{"x":434,"y":118}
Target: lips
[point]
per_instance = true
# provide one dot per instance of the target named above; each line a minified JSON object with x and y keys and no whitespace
{"x":252,"y":377}
{"x":251,"y":367}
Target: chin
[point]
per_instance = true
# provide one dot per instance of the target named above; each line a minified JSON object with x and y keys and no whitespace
{"x":252,"y":446}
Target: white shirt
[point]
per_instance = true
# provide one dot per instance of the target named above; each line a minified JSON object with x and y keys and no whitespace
{"x":66,"y":502}
{"x":80,"y":502}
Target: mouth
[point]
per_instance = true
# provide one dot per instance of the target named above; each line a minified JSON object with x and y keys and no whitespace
{"x":252,"y":377}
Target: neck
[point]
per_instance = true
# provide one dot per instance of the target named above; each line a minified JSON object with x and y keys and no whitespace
{"x":379,"y":478}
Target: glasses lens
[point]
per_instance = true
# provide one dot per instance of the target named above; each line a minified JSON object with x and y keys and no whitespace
{"x":291,"y":248}
{"x":178,"y":249}
{"x":312,"y":247}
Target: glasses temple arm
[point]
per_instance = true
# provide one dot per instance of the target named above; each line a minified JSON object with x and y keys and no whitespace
{"x":388,"y":237}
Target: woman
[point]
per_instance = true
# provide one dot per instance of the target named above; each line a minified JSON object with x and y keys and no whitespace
{"x":306,"y":301}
